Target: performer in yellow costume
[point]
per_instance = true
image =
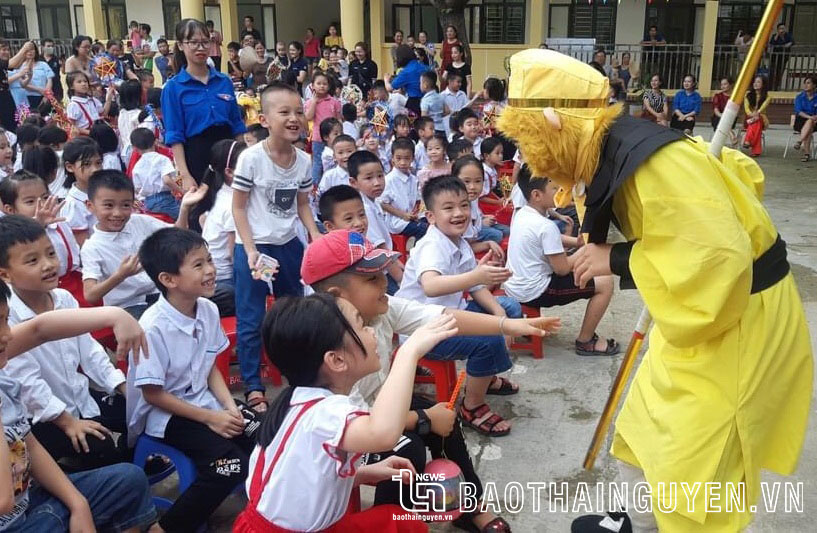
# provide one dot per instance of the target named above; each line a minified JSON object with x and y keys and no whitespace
{"x":725,"y":386}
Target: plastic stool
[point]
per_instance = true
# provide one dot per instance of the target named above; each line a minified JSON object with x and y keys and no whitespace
{"x":532,"y":343}
{"x":147,"y":446}
{"x":228,"y":356}
{"x":400,"y":244}
{"x":444,"y":377}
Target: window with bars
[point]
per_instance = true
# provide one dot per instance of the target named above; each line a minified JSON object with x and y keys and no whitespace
{"x":13,"y":22}
{"x":487,"y":21}
{"x":593,"y":21}
{"x":745,"y":15}
{"x":803,"y":25}
{"x":54,"y":19}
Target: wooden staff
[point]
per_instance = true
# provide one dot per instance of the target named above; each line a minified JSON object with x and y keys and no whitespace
{"x":728,"y":117}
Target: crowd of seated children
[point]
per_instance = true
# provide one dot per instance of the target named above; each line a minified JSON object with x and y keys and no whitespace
{"x":111,"y":270}
{"x":480,"y":233}
{"x":35,"y":493}
{"x":439,"y":270}
{"x":359,"y":278}
{"x":400,"y":199}
{"x":542,"y":274}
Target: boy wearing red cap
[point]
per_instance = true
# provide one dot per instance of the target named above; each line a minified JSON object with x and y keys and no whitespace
{"x":347,"y":265}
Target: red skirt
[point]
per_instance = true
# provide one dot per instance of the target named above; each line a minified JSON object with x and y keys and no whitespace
{"x":72,"y":282}
{"x":379,"y":518}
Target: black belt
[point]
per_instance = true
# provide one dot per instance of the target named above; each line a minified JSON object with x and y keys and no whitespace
{"x":770,"y":267}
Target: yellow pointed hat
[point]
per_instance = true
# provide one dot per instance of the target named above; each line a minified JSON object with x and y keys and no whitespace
{"x":546,"y":78}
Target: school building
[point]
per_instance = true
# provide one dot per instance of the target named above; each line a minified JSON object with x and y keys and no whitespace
{"x":700,"y":33}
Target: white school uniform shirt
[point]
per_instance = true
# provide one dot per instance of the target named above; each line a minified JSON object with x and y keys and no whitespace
{"x":82,"y":108}
{"x":104,"y":251}
{"x":76,"y":213}
{"x":328,"y":159}
{"x":491,"y":178}
{"x":476,"y":222}
{"x":57,"y":187}
{"x":397,"y":104}
{"x":272,"y":207}
{"x":533,"y":236}
{"x":402,"y":192}
{"x":332,"y":178}
{"x":182,"y":351}
{"x":65,"y":246}
{"x":309,"y":488}
{"x":517,"y":198}
{"x":454,"y":102}
{"x":148,"y":174}
{"x":127,"y":121}
{"x":111,"y":161}
{"x":350,"y":130}
{"x":49,"y":374}
{"x":217,"y":227}
{"x":478,"y":148}
{"x":18,"y":161}
{"x":403,"y":317}
{"x":420,"y":156}
{"x":378,"y":232}
{"x":438,"y":253}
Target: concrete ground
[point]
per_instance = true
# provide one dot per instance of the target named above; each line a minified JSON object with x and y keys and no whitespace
{"x":562,"y":395}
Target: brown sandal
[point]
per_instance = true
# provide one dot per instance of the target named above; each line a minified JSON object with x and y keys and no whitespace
{"x":483,"y":420}
{"x":506,"y":388}
{"x":255,"y":401}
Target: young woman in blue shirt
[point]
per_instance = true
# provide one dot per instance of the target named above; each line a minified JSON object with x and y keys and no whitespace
{"x":686,"y":105}
{"x":198,"y":104}
{"x":408,"y":78}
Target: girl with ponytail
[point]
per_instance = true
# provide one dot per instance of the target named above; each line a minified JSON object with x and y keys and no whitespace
{"x":312,"y":441}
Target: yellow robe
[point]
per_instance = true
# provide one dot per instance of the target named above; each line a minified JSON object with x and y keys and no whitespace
{"x":725,"y":386}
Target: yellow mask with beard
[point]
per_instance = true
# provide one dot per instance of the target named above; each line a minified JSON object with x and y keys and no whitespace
{"x":558,"y":115}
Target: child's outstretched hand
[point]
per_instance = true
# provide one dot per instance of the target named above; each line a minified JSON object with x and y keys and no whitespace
{"x":194,"y":195}
{"x":428,"y":336}
{"x":385,"y":469}
{"x":539,"y":327}
{"x":130,"y":266}
{"x":45,"y":212}
{"x":488,"y":273}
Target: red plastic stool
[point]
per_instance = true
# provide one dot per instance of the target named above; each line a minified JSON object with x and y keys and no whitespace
{"x":532,"y":344}
{"x":443,"y":377}
{"x":228,"y":356}
{"x":400,"y":244}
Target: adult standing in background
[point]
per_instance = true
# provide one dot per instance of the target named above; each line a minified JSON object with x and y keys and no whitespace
{"x":408,"y":77}
{"x":451,"y":40}
{"x":50,"y":57}
{"x":780,"y":47}
{"x":362,"y":70}
{"x":7,"y":62}
{"x":298,"y":64}
{"x":81,"y":58}
{"x":39,"y":77}
{"x":398,"y":40}
{"x":198,"y":104}
{"x":459,"y":67}
{"x":249,"y":29}
{"x":215,"y":44}
{"x":334,"y":38}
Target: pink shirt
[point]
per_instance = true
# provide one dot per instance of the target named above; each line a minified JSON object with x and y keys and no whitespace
{"x":326,"y":108}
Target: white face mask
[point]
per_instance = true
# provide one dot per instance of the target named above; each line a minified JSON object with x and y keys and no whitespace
{"x":48,"y":50}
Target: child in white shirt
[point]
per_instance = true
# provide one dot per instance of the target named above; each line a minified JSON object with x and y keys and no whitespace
{"x":543,"y":273}
{"x":455,"y":99}
{"x":424,"y":126}
{"x":317,"y":424}
{"x":83,"y":109}
{"x":400,"y":199}
{"x":154,"y":176}
{"x":349,"y":112}
{"x":342,"y":148}
{"x":111,"y":271}
{"x":81,"y":158}
{"x":329,"y":129}
{"x":219,"y":227}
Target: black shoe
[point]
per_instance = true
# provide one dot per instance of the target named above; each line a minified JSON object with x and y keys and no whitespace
{"x":611,"y":522}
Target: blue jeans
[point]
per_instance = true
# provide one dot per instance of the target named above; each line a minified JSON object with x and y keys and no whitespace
{"x":489,"y":233}
{"x":415,"y":228}
{"x":118,"y":495}
{"x":513,"y":309}
{"x":391,"y":285}
{"x":251,"y":302}
{"x":317,"y":163}
{"x":163,"y":202}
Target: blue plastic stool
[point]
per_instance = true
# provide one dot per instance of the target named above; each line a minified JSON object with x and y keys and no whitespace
{"x":147,"y":446}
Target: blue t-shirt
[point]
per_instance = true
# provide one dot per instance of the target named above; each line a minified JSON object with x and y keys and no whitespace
{"x":802,"y":104}
{"x":433,"y":105}
{"x":686,"y":103}
{"x":40,"y":75}
{"x":409,"y":79}
{"x":190,"y":107}
{"x":163,"y":65}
